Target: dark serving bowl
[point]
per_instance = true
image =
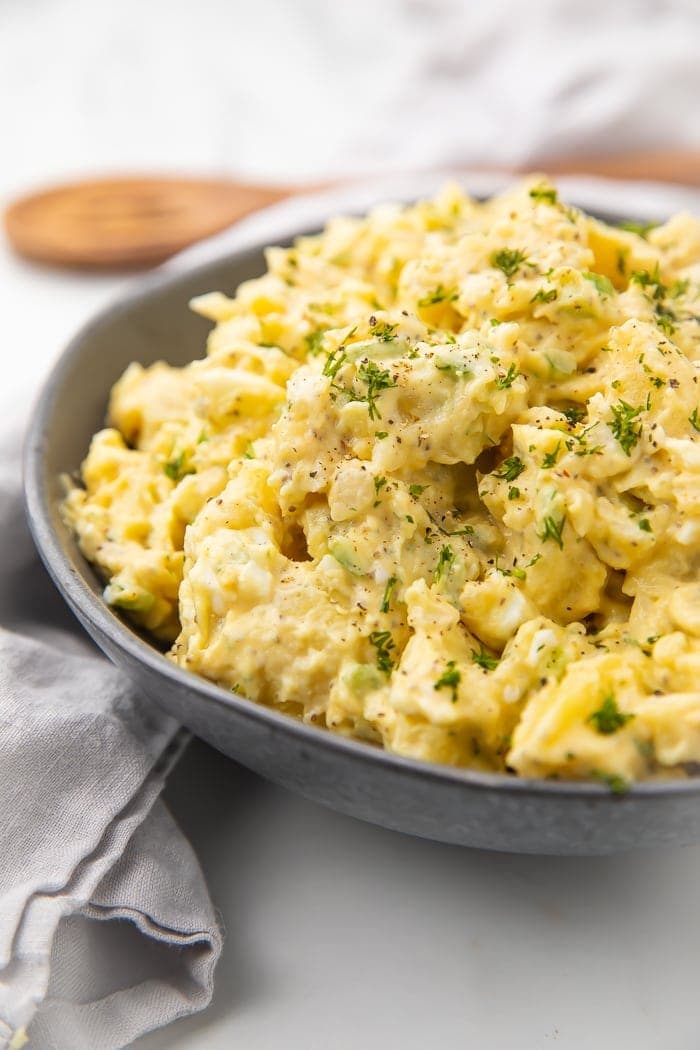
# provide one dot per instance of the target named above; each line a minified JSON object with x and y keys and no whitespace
{"x":490,"y":811}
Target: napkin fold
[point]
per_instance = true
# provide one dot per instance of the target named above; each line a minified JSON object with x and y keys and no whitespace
{"x":84,"y":837}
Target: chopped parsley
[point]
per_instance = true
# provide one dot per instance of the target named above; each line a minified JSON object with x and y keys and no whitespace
{"x":574,"y":414}
{"x":449,"y":679}
{"x":383,"y":643}
{"x":484,"y":659}
{"x":645,"y":525}
{"x":694,"y":420}
{"x":382,"y":331}
{"x":665,"y":319}
{"x":551,"y":458}
{"x":416,"y":490}
{"x":381,"y":434}
{"x":542,"y":296}
{"x":625,"y":425}
{"x":650,"y":280}
{"x":514,"y":492}
{"x":508,"y":260}
{"x":517,"y":572}
{"x":177,"y":468}
{"x":439,"y":295}
{"x":578,"y":443}
{"x":614,"y":781}
{"x":377,"y":379}
{"x":249,"y":451}
{"x":466,"y":530}
{"x":678,"y":288}
{"x":511,"y":468}
{"x":388,"y":591}
{"x":544,"y":193}
{"x":445,"y":562}
{"x":552,"y":529}
{"x":314,"y":341}
{"x":642,"y":229}
{"x":379,"y":484}
{"x":506,"y":381}
{"x":334,"y":362}
{"x":609,"y":718}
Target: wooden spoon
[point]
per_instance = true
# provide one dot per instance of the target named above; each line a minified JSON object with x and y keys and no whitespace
{"x":677,"y":166}
{"x":120,"y":223}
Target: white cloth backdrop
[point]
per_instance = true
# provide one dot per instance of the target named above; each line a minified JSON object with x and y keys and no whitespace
{"x":299,"y":89}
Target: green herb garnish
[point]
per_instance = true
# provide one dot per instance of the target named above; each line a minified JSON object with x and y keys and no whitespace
{"x":609,"y":718}
{"x":626,"y":431}
{"x":506,"y":381}
{"x":642,"y":229}
{"x":574,"y":414}
{"x":544,"y":193}
{"x":388,"y":591}
{"x":379,"y":484}
{"x":550,"y":459}
{"x":439,"y":295}
{"x":445,"y":562}
{"x":614,"y":781}
{"x":314,"y":341}
{"x":552,"y":530}
{"x":334,"y":362}
{"x":511,"y":469}
{"x":484,"y":659}
{"x":678,"y":288}
{"x":665,"y":319}
{"x":382,"y":331}
{"x":177,"y":468}
{"x":449,"y":679}
{"x":650,"y":280}
{"x":377,"y":379}
{"x":541,"y":296}
{"x":383,"y":643}
{"x":508,"y":260}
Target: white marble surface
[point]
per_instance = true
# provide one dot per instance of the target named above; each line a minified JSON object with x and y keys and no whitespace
{"x":339,"y":935}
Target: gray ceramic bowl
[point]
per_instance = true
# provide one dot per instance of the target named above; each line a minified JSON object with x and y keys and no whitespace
{"x":490,"y":811}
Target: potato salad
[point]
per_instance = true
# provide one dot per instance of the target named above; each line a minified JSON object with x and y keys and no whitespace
{"x":435,"y":485}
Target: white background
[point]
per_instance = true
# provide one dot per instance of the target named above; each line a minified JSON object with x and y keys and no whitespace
{"x":341,"y":935}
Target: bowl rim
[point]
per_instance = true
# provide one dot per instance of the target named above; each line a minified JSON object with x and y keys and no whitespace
{"x":73,"y":586}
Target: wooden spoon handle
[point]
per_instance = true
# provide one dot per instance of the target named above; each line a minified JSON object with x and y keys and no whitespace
{"x":679,"y":166}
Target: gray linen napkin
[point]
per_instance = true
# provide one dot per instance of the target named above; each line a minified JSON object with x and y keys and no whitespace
{"x":83,"y":835}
